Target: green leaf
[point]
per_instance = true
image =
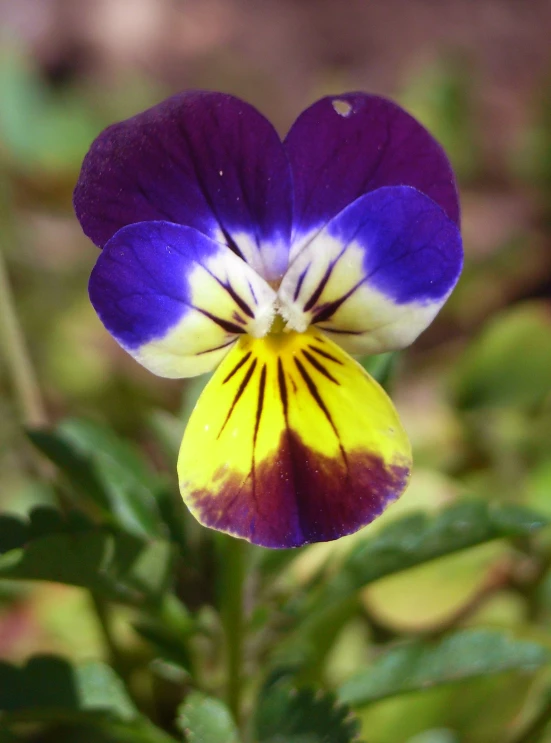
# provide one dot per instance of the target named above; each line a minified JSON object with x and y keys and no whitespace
{"x":43,"y":129}
{"x":169,"y":632}
{"x":420,"y":537}
{"x":49,"y":687}
{"x":288,"y":715}
{"x":107,"y":470}
{"x":437,"y":735}
{"x":409,"y":541}
{"x":417,"y":538}
{"x":421,"y":664}
{"x":510,"y":362}
{"x":74,"y":551}
{"x":441,"y":96}
{"x":381,"y":367}
{"x":206,"y":720}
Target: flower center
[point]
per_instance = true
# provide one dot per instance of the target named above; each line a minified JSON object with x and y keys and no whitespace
{"x":278,"y":325}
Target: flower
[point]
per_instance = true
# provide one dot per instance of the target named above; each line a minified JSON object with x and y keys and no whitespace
{"x":272,"y":261}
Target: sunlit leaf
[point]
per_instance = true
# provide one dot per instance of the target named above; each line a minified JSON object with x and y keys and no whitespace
{"x":41,"y":127}
{"x":49,"y":687}
{"x":107,"y":470}
{"x":204,"y":719}
{"x":441,"y":96}
{"x":440,"y":735}
{"x":423,"y":664}
{"x":74,"y":551}
{"x":381,"y":367}
{"x":409,"y":541}
{"x":510,"y":362}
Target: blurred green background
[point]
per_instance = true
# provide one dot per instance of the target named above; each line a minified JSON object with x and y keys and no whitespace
{"x":474,"y":391}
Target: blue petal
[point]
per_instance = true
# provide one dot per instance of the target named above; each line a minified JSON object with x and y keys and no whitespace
{"x":176,"y":300}
{"x":343,"y":147}
{"x":199,"y":159}
{"x":378,"y":273}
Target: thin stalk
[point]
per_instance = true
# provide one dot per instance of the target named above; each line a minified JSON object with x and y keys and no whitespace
{"x":12,"y":339}
{"x":536,"y":729}
{"x":115,"y":658}
{"x":142,"y":732}
{"x":232,"y":613}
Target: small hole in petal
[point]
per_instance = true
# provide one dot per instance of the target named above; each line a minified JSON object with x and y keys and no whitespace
{"x":343,"y":108}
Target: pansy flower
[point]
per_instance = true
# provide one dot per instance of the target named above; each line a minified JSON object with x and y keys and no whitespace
{"x":274,"y":263}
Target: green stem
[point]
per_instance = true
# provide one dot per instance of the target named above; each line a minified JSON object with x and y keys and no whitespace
{"x":535,"y":731}
{"x":144,"y":732}
{"x":232,"y":612}
{"x":11,"y":336}
{"x":115,"y":659}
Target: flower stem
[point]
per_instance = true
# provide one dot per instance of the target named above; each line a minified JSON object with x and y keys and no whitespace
{"x":11,"y":336}
{"x":232,"y":612}
{"x":535,"y":731}
{"x":101,"y":611}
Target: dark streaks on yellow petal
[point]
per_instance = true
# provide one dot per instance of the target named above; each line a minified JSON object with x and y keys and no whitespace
{"x":289,"y":446}
{"x":240,"y":390}
{"x":237,"y":367}
{"x":313,"y":390}
{"x":323,"y":353}
{"x":319,"y":367}
{"x":282,"y":385}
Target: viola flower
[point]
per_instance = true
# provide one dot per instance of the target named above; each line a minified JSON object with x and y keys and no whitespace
{"x":274,"y":262}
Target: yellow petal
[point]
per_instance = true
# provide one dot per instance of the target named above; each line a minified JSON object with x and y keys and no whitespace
{"x":292,"y":442}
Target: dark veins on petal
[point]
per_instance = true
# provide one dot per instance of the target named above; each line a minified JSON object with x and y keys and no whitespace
{"x":299,"y":495}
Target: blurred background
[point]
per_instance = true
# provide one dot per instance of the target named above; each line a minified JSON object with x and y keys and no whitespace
{"x":474,"y":391}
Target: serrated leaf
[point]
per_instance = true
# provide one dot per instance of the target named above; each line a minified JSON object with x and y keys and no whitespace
{"x":49,"y":687}
{"x":422,"y":664}
{"x":407,"y":542}
{"x":420,"y":537}
{"x":107,"y":470}
{"x":74,"y":551}
{"x":288,"y":715}
{"x":204,"y":719}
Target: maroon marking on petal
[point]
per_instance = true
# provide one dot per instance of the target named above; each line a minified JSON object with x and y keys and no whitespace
{"x":237,"y":317}
{"x":236,"y":298}
{"x":217,"y":348}
{"x":303,"y":496}
{"x":294,"y":384}
{"x":327,"y":310}
{"x":340,"y":331}
{"x":320,"y":287}
{"x":236,"y":368}
{"x":300,"y":281}
{"x":259,"y":405}
{"x":229,"y":327}
{"x":325,"y":355}
{"x":314,"y":392}
{"x":282,"y":389}
{"x":259,"y":409}
{"x":319,"y":367}
{"x":240,"y":391}
{"x":252,"y":291}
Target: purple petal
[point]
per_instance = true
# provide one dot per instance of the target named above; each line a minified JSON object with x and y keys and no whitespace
{"x":345,"y":146}
{"x":176,"y":300}
{"x":377,"y":274}
{"x":200,"y":159}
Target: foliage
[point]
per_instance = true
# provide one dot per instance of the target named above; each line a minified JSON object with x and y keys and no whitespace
{"x":120,"y":617}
